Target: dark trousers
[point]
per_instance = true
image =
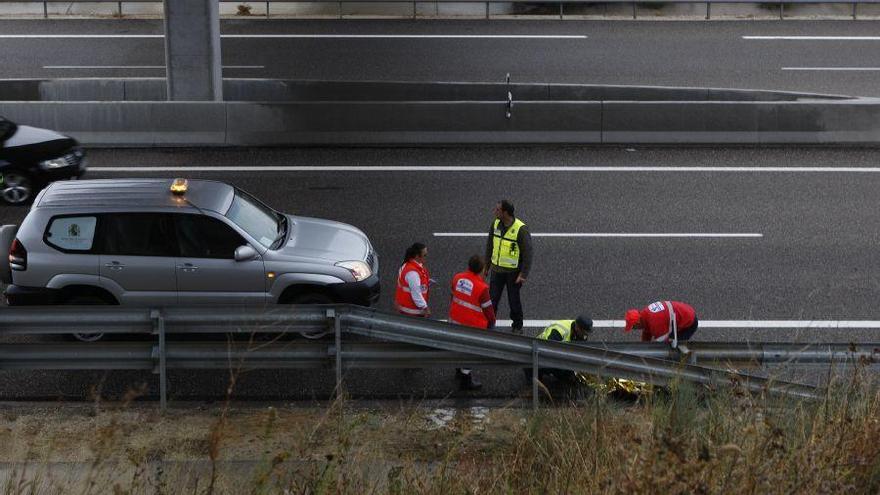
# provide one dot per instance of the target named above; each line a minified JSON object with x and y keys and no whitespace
{"x":561,"y":376}
{"x":685,"y":334}
{"x":498,"y":281}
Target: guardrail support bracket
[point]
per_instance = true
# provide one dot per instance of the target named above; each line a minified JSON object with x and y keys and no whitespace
{"x":535,"y":376}
{"x":159,"y":329}
{"x":333,"y":318}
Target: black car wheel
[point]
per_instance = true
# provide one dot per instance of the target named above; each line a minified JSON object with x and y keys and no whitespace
{"x":17,"y":187}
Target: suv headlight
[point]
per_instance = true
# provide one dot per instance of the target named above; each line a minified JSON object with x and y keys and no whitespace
{"x":359,"y":270}
{"x":54,"y":163}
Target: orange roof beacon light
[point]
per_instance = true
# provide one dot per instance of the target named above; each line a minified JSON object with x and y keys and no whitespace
{"x":178,"y":186}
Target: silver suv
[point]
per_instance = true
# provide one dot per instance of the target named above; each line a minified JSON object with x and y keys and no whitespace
{"x":155,"y":242}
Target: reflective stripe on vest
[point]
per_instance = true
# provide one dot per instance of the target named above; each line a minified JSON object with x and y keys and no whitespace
{"x":505,"y":251}
{"x":466,"y":304}
{"x":411,"y":311}
{"x":562,"y":326}
{"x":673,"y":326}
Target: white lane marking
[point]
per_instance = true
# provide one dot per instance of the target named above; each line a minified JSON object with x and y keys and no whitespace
{"x":608,"y":234}
{"x":841,"y":69}
{"x":704,"y":324}
{"x":814,"y":38}
{"x":140,"y":67}
{"x":469,"y":168}
{"x":310,"y":36}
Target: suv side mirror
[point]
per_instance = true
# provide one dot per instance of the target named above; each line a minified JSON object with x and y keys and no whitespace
{"x":245,"y":253}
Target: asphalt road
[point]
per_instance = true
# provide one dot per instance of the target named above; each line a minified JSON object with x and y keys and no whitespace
{"x":814,"y":257}
{"x":688,"y":53}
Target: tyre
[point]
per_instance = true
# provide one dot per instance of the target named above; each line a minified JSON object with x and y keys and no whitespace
{"x":86,"y":301}
{"x":313,"y":298}
{"x":17,"y":187}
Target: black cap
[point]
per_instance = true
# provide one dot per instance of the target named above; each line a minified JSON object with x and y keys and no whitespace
{"x":584,"y":321}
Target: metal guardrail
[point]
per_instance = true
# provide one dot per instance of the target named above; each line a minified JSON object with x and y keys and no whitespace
{"x":404,"y":342}
{"x":780,"y":3}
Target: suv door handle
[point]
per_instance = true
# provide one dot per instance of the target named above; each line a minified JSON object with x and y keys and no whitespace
{"x":187,"y":267}
{"x":114,"y":266}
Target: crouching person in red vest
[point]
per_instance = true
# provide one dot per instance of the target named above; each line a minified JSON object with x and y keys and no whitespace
{"x":471,"y":306}
{"x":664,"y":321}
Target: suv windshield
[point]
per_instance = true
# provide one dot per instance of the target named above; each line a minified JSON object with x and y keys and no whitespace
{"x":7,"y":129}
{"x":265,"y":225}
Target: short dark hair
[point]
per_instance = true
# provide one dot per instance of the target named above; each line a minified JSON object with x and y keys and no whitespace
{"x":413,"y":251}
{"x":506,"y":206}
{"x":476,"y":263}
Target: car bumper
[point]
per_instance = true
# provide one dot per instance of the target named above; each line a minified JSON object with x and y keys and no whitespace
{"x":17,"y":295}
{"x":364,"y":293}
{"x":63,"y":173}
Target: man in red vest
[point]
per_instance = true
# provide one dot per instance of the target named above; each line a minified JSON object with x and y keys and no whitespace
{"x":664,"y":321}
{"x":471,"y":306}
{"x":413,"y":282}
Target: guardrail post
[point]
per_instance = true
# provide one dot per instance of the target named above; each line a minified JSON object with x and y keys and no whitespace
{"x":487,"y":11}
{"x":119,"y":8}
{"x":45,"y":10}
{"x":267,"y":9}
{"x":339,"y":8}
{"x":708,"y":10}
{"x":855,"y":6}
{"x":535,"y":375}
{"x":159,"y":329}
{"x":634,"y":10}
{"x":337,"y":332}
{"x":781,"y":10}
{"x":414,"y":9}
{"x":560,"y":11}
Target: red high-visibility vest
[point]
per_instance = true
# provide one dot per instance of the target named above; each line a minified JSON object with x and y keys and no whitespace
{"x":465,"y":308}
{"x":402,"y":297}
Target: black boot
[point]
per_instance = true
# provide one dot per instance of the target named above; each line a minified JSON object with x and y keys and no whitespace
{"x":517,"y":328}
{"x":467,"y":382}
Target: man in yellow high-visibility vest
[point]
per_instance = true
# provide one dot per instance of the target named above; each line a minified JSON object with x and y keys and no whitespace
{"x":563,"y":331}
{"x":509,"y":251}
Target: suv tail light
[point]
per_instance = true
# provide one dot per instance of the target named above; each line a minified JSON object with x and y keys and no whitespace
{"x":17,"y":256}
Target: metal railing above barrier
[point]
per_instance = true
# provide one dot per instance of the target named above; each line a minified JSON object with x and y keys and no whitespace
{"x":488,"y":3}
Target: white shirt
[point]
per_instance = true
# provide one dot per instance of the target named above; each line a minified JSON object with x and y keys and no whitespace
{"x":414,"y":282}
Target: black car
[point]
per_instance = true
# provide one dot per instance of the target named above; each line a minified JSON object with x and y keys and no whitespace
{"x":31,"y":158}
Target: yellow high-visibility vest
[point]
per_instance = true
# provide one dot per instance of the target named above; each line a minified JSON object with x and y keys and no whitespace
{"x":505,"y":250}
{"x":561,"y":326}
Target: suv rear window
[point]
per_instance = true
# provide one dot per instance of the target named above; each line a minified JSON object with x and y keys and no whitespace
{"x":72,"y":233}
{"x":137,"y":234}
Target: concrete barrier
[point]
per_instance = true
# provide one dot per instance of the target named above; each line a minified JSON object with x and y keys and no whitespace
{"x":680,"y":122}
{"x":353,"y":113}
{"x":278,"y":90}
{"x":128,"y":123}
{"x":256,"y":124}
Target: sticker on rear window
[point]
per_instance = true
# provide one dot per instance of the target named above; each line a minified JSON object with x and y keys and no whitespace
{"x":72,"y":233}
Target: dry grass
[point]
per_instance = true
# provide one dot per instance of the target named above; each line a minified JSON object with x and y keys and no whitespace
{"x":681,"y":441}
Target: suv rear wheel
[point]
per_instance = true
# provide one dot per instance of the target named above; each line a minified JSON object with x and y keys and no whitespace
{"x":86,"y":300}
{"x":17,"y":187}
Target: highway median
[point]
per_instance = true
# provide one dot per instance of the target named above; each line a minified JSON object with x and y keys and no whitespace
{"x":264,"y":112}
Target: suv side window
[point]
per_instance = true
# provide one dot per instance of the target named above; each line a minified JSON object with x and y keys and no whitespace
{"x":205,"y":237}
{"x":137,"y":234}
{"x":71,"y":234}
